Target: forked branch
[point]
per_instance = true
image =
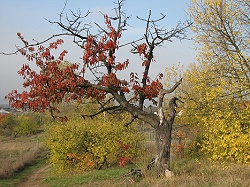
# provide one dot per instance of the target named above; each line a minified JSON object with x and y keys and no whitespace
{"x":172,"y":104}
{"x":166,"y":91}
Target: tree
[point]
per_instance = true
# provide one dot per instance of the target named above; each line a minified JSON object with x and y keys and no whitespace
{"x":222,"y":121}
{"x":222,"y":29}
{"x":55,"y":84}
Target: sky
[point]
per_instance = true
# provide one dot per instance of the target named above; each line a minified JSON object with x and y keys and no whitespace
{"x":29,"y":18}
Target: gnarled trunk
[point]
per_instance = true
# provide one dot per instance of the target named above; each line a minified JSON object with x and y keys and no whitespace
{"x":163,"y":132}
{"x":163,"y":145}
{"x":162,"y":126}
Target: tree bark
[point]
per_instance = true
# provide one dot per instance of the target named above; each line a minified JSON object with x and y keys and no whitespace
{"x":163,"y":139}
{"x":163,"y":143}
{"x":164,"y":131}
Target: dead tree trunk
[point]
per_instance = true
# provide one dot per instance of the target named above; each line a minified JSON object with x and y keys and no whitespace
{"x":164,"y":131}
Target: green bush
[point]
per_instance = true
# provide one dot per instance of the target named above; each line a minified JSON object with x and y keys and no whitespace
{"x":7,"y":124}
{"x":27,"y":124}
{"x":80,"y":145}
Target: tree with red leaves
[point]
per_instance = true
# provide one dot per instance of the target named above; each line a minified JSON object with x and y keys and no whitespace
{"x":55,"y":83}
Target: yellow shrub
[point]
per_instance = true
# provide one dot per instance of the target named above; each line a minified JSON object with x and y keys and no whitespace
{"x":80,"y":145}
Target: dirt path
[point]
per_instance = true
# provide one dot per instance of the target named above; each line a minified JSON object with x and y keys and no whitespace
{"x":34,"y":179}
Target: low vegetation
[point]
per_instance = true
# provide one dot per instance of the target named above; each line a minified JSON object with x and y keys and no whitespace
{"x":187,"y":173}
{"x":82,"y":145}
{"x":19,"y":157}
{"x":28,"y":123}
{"x":26,"y":154}
{"x":9,"y":168}
{"x":18,"y":153}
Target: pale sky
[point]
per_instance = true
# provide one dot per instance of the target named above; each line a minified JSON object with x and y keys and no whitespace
{"x":27,"y":17}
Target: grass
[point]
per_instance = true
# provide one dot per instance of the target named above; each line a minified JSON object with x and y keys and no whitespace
{"x":17,"y":177}
{"x":12,"y":148}
{"x":192,"y":173}
{"x":9,"y":168}
{"x":19,"y":157}
{"x":93,"y":178}
{"x":188,"y":173}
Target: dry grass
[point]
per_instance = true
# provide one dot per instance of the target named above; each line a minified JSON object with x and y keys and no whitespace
{"x":16,"y":154}
{"x":15,"y":146}
{"x":196,"y":174}
{"x":187,"y":173}
{"x":191,"y":174}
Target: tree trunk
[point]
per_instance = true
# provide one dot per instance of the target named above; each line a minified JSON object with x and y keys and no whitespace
{"x":163,"y":129}
{"x":163,"y":145}
{"x":163,"y":135}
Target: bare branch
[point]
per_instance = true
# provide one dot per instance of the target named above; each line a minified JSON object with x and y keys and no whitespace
{"x":74,"y":26}
{"x":102,"y":111}
{"x":155,"y":37}
{"x":164,"y":91}
{"x":161,"y":18}
{"x":172,"y":104}
{"x":131,"y":121}
{"x":131,"y":43}
{"x":34,"y":44}
{"x":102,"y":29}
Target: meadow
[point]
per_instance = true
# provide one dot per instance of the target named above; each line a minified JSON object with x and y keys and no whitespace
{"x":188,"y":173}
{"x":19,"y":157}
{"x":28,"y":155}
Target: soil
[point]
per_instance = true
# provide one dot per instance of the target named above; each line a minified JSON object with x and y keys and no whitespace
{"x":34,"y":179}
